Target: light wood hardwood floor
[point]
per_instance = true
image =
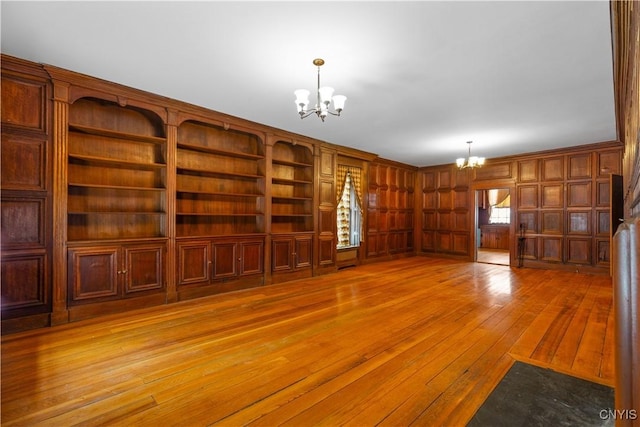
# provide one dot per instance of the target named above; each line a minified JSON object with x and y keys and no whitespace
{"x":417,"y":341}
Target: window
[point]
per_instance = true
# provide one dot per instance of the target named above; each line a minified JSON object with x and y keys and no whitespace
{"x":349,"y":216}
{"x":499,"y":215}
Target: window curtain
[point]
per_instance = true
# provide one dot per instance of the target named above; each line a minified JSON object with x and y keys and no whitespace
{"x":356,"y":178}
{"x":347,"y":177}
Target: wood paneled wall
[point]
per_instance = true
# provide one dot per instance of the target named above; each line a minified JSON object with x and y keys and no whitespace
{"x":390,"y":210}
{"x":26,"y":183}
{"x":625,"y":16}
{"x":562,"y":199}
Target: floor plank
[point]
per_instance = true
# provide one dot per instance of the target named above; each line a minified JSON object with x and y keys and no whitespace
{"x":412,"y":341}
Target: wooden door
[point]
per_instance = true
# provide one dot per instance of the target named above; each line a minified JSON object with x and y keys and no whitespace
{"x":144,"y":268}
{"x":225,"y":260}
{"x":194,"y":262}
{"x":93,"y":274}
{"x":302,"y":254}
{"x":282,"y":254}
{"x":252,"y":257}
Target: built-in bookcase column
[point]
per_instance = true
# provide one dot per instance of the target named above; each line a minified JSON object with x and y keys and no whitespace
{"x":59,"y":313}
{"x":170,"y":156}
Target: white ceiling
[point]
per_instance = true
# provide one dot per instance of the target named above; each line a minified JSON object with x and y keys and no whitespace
{"x":421,"y":77}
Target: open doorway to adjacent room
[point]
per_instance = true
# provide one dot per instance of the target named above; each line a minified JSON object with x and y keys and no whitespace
{"x":493,"y":226}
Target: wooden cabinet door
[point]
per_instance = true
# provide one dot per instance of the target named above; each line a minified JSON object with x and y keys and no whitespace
{"x":93,"y":274}
{"x":144,"y":268}
{"x":225,"y":260}
{"x":302,"y":254}
{"x":194,"y":262}
{"x":252,"y":257}
{"x":282,"y":254}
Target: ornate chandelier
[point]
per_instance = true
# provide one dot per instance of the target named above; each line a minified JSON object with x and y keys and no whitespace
{"x":470,"y":161}
{"x":324,"y":96}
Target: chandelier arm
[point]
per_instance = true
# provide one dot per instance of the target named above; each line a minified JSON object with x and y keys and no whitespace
{"x":308,"y":113}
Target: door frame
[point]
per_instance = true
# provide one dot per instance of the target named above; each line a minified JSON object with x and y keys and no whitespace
{"x":496,"y":184}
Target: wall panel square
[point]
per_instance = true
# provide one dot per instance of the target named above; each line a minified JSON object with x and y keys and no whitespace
{"x":552,"y":196}
{"x":579,"y":166}
{"x":428,"y":241}
{"x":429,"y":200}
{"x":429,"y":220}
{"x":579,"y":194}
{"x":578,"y":222}
{"x":609,"y":163}
{"x":445,"y":220}
{"x":603,"y":197}
{"x":553,"y":169}
{"x":529,"y":219}
{"x":528,"y":170}
{"x":527,"y":196}
{"x":551,"y":249}
{"x":445,"y":200}
{"x":603,"y":222}
{"x":578,"y":250}
{"x":551,"y":222}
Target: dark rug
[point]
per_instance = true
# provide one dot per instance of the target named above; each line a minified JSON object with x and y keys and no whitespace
{"x":533,"y":396}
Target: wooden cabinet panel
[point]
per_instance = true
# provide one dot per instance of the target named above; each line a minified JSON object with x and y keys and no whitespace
{"x":225,"y":260}
{"x":94,"y":273}
{"x":303,"y":251}
{"x":194,"y":262}
{"x":494,"y":236}
{"x":251,"y":257}
{"x":111,"y":272}
{"x":291,"y":252}
{"x":204,"y":262}
{"x":281,"y":254}
{"x":144,"y":268}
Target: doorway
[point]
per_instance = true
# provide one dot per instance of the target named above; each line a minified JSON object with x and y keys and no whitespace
{"x":493,"y":226}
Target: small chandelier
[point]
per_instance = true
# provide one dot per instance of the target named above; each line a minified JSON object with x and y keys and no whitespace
{"x":470,"y":161}
{"x":324,"y":96}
